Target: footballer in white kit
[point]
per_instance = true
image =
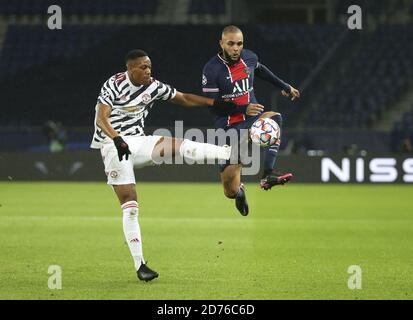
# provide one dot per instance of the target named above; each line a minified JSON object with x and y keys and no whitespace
{"x":130,"y":106}
{"x":123,"y":104}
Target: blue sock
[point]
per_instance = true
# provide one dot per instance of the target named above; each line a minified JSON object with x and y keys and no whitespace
{"x":271,"y":153}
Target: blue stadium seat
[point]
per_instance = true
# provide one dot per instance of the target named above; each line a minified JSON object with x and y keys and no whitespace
{"x":79,"y":6}
{"x":207,"y":7}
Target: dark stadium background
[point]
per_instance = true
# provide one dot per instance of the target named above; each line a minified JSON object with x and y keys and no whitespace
{"x":357,"y":85}
{"x":341,"y":229}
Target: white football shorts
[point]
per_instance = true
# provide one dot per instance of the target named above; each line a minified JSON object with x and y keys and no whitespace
{"x":121,"y":172}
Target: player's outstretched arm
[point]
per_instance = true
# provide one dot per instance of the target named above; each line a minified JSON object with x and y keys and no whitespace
{"x":218,"y":106}
{"x":192,"y":100}
{"x":264,"y":73}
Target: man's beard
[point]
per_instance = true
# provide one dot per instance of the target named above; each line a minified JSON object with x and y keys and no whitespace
{"x":228,"y":59}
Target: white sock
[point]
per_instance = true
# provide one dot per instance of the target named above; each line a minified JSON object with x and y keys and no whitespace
{"x":132,"y":231}
{"x":203,"y":151}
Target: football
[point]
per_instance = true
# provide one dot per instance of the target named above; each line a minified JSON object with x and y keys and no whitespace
{"x":265,"y":132}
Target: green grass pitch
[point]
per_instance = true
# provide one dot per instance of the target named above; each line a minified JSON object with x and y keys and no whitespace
{"x":297,"y":242}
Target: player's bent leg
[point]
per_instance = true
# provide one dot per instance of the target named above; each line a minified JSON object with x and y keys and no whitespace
{"x":164,"y":149}
{"x":270,"y":176}
{"x":196,"y":151}
{"x":131,"y":229}
{"x":233,"y":188}
{"x":231,"y":180}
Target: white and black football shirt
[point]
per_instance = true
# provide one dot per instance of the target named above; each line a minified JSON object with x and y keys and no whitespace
{"x":130,"y":105}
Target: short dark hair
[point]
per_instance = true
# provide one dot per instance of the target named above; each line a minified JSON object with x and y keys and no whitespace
{"x":134,"y":54}
{"x":231,"y":29}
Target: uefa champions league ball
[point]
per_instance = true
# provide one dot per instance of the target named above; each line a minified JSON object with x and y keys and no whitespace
{"x":265,"y":132}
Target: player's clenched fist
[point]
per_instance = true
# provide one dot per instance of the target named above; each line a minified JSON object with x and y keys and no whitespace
{"x":122,"y":147}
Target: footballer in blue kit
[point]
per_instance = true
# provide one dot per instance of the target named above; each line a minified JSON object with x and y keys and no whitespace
{"x":229,"y":76}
